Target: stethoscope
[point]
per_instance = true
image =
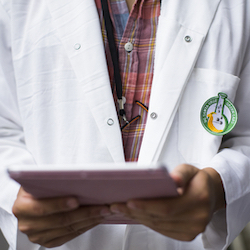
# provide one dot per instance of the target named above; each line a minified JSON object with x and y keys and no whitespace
{"x":114,"y":57}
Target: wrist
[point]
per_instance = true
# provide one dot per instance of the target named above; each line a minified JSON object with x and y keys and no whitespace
{"x":218,"y":191}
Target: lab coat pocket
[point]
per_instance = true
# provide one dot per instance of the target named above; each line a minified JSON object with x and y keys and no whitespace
{"x":196,"y":145}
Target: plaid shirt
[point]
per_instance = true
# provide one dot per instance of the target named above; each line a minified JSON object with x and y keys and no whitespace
{"x":136,"y":67}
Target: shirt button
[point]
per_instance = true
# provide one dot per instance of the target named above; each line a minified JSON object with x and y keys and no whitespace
{"x":110,"y":122}
{"x":77,"y":46}
{"x":153,"y":115}
{"x":188,"y":39}
{"x":128,"y":46}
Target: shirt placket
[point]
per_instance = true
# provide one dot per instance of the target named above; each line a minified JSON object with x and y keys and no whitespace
{"x":129,"y":65}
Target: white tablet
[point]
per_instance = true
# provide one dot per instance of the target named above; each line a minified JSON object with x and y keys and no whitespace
{"x":96,"y":184}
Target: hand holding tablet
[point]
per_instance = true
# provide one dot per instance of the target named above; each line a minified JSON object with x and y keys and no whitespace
{"x":96,"y":184}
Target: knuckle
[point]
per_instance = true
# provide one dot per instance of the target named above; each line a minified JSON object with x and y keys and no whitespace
{"x":188,"y":237}
{"x":157,"y":223}
{"x":56,"y":243}
{"x":35,"y":239}
{"x":39,"y":210}
{"x":201,"y":228}
{"x":197,"y":230}
{"x":15,"y":212}
{"x":200,"y":224}
{"x":15,"y":208}
{"x":25,"y":228}
{"x":51,"y":245}
{"x":204,"y":197}
{"x":191,"y":237}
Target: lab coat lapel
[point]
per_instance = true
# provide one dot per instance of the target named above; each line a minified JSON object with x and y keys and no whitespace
{"x":183,"y":26}
{"x":78,"y":27}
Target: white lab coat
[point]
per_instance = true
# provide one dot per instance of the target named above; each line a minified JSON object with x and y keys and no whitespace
{"x":55,"y":101}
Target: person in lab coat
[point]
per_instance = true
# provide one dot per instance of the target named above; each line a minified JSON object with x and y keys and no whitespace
{"x":57,"y":107}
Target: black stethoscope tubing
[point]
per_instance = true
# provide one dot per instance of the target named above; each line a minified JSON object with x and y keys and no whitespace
{"x":114,"y":56}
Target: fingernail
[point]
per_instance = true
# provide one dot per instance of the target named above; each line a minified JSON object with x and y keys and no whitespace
{"x":72,"y":203}
{"x":180,"y":190}
{"x":105,"y":212}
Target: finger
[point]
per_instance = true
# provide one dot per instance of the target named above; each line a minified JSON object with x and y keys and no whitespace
{"x":166,"y":208}
{"x":183,"y":173}
{"x":188,"y":225}
{"x":56,"y":242}
{"x":174,"y":227}
{"x":192,"y":216}
{"x":197,"y":194}
{"x":32,"y":207}
{"x":186,"y":229}
{"x":75,"y":229}
{"x":192,"y":223}
{"x":31,"y":224}
{"x":177,"y":235}
{"x":217,"y":189}
{"x":26,"y":205}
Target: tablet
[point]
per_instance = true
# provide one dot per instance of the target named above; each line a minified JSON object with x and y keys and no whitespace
{"x":96,"y":184}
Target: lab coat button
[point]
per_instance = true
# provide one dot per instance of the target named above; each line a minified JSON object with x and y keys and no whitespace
{"x":153,"y":115}
{"x":188,"y":39}
{"x":77,"y":46}
{"x":110,"y":122}
{"x":128,"y":46}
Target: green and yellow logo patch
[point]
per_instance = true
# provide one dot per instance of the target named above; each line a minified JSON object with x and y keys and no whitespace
{"x":218,"y":115}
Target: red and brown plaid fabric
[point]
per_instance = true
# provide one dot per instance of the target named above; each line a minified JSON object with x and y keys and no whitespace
{"x":136,"y":68}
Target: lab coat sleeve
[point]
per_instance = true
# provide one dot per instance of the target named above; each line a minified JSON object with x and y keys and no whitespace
{"x":12,"y":141}
{"x":233,"y":165}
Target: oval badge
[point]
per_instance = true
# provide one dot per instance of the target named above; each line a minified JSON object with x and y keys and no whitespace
{"x":218,"y":115}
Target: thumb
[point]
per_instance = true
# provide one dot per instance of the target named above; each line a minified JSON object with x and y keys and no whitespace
{"x":182,"y":175}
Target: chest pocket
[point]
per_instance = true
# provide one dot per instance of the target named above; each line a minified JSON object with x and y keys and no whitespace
{"x":196,"y":145}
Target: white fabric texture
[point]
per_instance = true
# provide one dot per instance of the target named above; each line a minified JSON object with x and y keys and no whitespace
{"x":55,"y":102}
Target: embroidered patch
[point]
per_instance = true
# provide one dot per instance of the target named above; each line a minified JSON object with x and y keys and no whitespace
{"x":218,"y":115}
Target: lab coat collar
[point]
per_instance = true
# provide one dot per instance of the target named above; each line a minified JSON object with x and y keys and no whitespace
{"x":78,"y":27}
